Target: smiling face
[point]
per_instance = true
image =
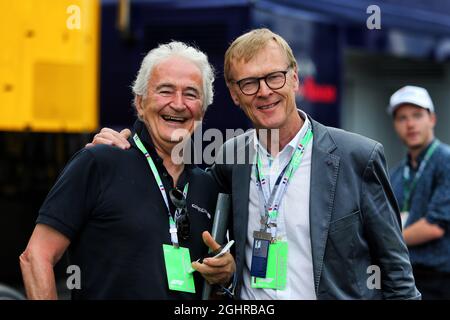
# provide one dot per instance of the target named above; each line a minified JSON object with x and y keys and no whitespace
{"x":174,"y":101}
{"x":414,"y":125}
{"x":267,"y":108}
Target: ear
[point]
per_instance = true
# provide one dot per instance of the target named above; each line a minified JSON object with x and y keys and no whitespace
{"x":433,"y":118}
{"x":138,"y":101}
{"x":234,"y":95}
{"x":202,"y":114}
{"x":295,"y":80}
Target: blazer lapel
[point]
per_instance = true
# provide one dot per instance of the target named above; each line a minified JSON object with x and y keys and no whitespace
{"x":324,"y":172}
{"x":241,"y":190}
{"x":240,"y":194}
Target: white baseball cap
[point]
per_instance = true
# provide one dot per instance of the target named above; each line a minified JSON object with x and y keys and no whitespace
{"x":412,"y":95}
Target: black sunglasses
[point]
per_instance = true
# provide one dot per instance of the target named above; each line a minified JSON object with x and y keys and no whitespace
{"x":182,"y":220}
{"x":274,"y":80}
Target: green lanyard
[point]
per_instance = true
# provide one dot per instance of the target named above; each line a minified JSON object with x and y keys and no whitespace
{"x":408,"y":187}
{"x":172,"y":225}
{"x":273,"y":199}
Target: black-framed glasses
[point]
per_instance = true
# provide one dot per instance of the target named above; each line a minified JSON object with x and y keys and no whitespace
{"x":274,"y":80}
{"x":182,"y":220}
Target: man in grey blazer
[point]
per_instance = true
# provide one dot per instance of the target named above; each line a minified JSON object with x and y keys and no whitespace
{"x":313,"y":212}
{"x":338,"y":214}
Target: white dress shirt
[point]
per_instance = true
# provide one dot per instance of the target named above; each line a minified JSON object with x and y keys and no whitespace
{"x":292,"y":222}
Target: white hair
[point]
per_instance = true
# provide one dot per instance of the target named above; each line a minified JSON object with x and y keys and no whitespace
{"x":176,"y":48}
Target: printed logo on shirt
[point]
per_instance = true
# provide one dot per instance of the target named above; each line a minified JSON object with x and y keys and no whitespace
{"x":202,"y":210}
{"x":176,"y":282}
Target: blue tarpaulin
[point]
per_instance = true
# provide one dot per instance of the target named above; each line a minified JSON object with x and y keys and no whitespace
{"x":430,"y":16}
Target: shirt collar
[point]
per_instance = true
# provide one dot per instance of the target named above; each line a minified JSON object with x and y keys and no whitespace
{"x":140,"y":128}
{"x":292,"y":145}
{"x":421,"y":155}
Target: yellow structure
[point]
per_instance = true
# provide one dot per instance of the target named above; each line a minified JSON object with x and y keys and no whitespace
{"x":49,"y":65}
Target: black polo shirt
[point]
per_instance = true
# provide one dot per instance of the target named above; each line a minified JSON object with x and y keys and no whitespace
{"x":107,"y":202}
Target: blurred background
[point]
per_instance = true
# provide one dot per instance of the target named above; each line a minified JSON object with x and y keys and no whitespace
{"x":66,"y":67}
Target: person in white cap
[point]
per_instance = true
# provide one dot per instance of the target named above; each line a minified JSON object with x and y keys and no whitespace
{"x":421,"y":183}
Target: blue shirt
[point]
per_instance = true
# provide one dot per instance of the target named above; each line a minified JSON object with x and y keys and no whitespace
{"x":430,"y":199}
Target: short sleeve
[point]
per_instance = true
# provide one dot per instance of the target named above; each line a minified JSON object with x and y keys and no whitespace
{"x":74,"y":195}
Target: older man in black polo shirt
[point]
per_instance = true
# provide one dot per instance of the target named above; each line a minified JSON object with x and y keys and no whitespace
{"x":130,"y":218}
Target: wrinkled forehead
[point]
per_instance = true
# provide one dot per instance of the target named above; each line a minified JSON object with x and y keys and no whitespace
{"x":176,"y":69}
{"x":178,"y":63}
{"x":249,"y":51}
{"x":267,"y":59}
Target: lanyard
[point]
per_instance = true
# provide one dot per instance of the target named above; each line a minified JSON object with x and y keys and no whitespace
{"x":272,"y":199}
{"x":172,"y":225}
{"x":408,"y":187}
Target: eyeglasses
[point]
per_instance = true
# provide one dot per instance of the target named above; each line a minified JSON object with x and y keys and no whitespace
{"x":274,"y":80}
{"x":182,"y":220}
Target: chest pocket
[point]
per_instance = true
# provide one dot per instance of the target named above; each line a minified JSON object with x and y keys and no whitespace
{"x":341,"y":248}
{"x":345,"y":222}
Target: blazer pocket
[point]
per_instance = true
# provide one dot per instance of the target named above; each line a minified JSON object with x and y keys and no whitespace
{"x":344,"y":222}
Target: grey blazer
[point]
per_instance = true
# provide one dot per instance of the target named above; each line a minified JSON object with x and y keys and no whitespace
{"x":354,"y":216}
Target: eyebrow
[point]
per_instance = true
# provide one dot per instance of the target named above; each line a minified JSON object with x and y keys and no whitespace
{"x":171,"y":86}
{"x":256,"y":77}
{"x":192,"y":89}
{"x":165,"y":85}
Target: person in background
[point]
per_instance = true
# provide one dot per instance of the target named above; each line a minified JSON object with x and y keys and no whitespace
{"x":421,"y":183}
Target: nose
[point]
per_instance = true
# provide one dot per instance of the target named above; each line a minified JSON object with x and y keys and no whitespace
{"x":178,"y":102}
{"x":264,"y":89}
{"x":410,"y":122}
